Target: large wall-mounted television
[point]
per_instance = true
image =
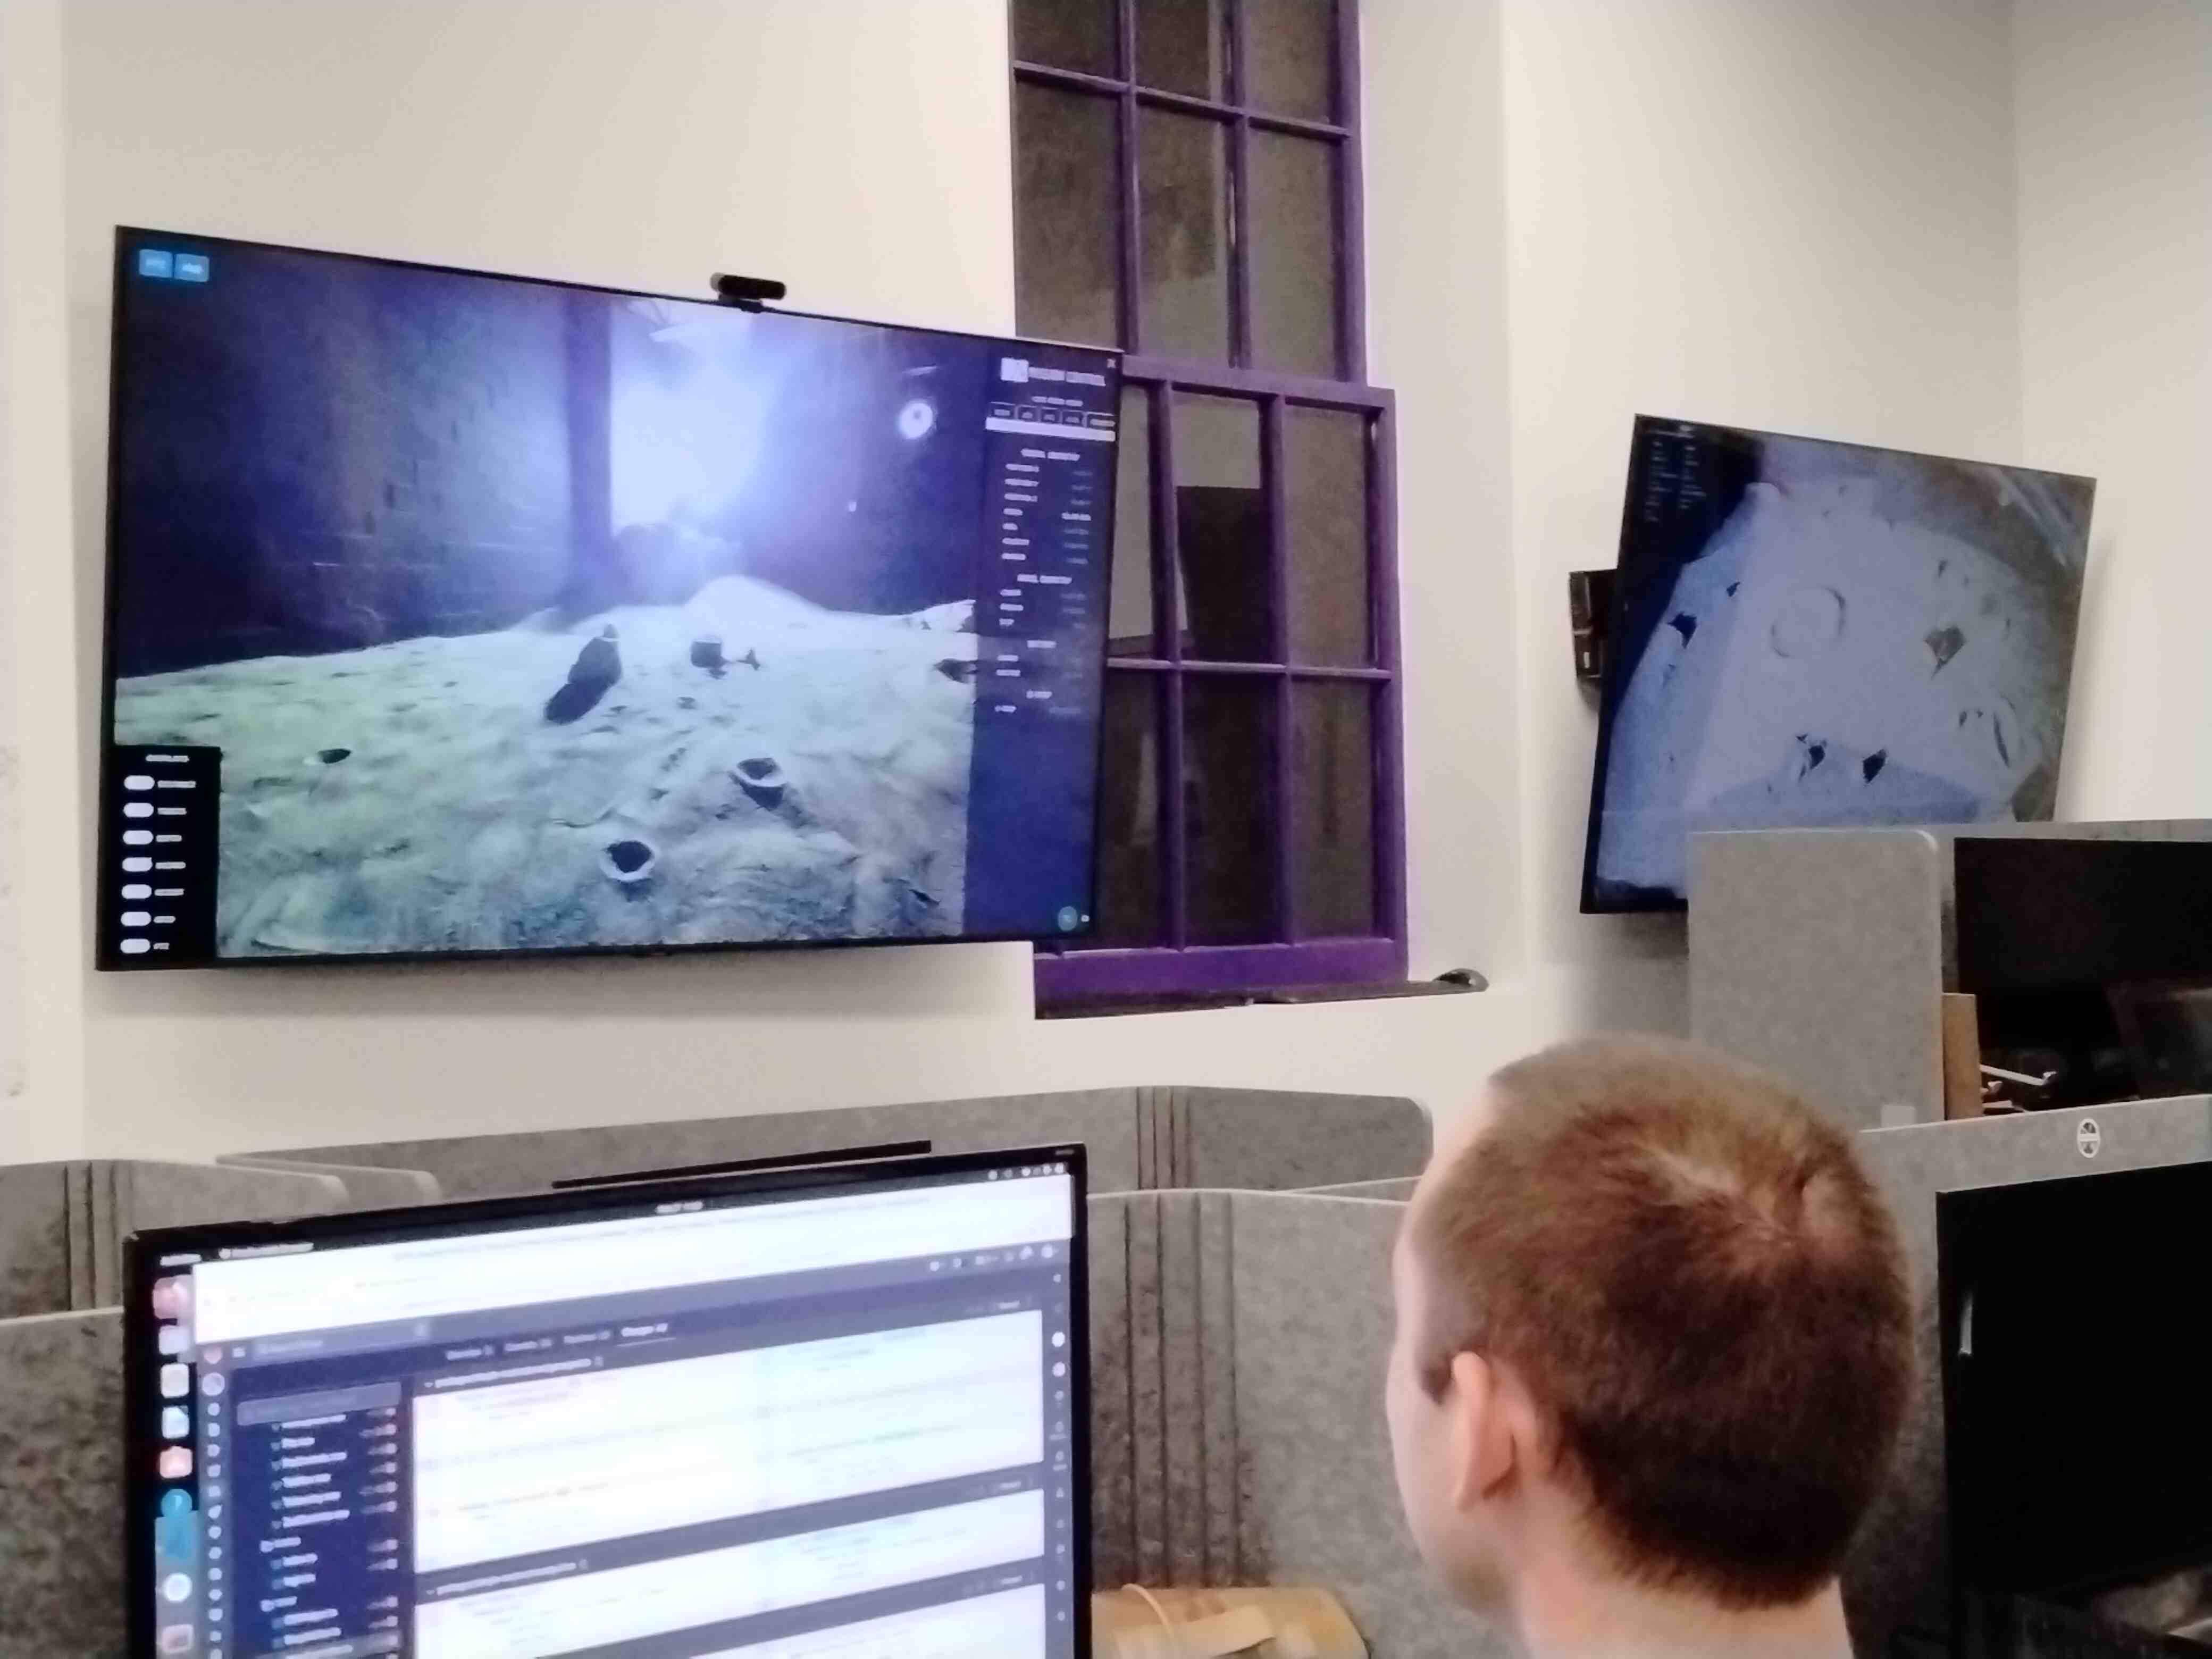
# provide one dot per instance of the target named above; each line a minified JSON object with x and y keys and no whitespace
{"x":453,"y":613}
{"x":1816,"y":635}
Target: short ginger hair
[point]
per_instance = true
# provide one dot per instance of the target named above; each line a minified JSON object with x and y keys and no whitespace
{"x":1705,"y":1296}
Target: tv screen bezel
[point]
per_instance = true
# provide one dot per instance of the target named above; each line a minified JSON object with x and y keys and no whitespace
{"x":106,"y":849}
{"x":1614,"y":684}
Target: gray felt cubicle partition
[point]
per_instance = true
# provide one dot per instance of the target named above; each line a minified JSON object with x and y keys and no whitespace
{"x":36,"y":1275}
{"x":1239,"y":1340}
{"x":1140,"y":1139}
{"x":61,"y":1481}
{"x":1818,"y":954}
{"x":1824,"y":954}
{"x":61,"y":1226}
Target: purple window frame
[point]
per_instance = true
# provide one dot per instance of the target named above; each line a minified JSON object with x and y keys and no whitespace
{"x":1296,"y":959}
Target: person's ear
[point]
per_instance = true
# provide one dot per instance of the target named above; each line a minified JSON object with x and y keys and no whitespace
{"x":1485,"y":1431}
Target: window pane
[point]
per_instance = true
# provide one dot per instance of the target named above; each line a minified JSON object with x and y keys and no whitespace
{"x":1066,"y":206}
{"x":1182,"y":175}
{"x":1293,"y":265}
{"x":1292,"y":67}
{"x":1333,"y":807}
{"x":1229,"y":790}
{"x":1132,"y":628}
{"x":1074,"y":35}
{"x":1132,"y":848}
{"x":1182,"y":47}
{"x":1221,"y":532}
{"x":1324,"y":488}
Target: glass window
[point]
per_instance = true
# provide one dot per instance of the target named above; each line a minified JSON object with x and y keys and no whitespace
{"x":1069,"y":34}
{"x":1294,"y":216}
{"x":1190,"y":196}
{"x":1182,"y":231}
{"x":1133,"y":613}
{"x":1183,"y":46}
{"x":1132,"y":831}
{"x":1291,"y":68}
{"x":1229,"y":791}
{"x":1325,"y":490}
{"x":1331,"y":813}
{"x":1067,"y":205}
{"x":1221,"y":532}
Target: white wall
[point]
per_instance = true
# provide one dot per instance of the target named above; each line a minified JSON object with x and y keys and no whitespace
{"x":1789,"y":216}
{"x":41,"y":1028}
{"x":2115,"y":117}
{"x":858,"y":149}
{"x":1434,"y":141}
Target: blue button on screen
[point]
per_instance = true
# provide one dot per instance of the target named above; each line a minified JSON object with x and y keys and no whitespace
{"x":156,"y":262}
{"x":191,"y":267}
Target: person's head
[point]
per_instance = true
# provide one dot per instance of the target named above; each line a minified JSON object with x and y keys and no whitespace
{"x":1653,"y":1330}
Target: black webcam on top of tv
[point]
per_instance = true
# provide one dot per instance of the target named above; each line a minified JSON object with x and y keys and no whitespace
{"x":746,"y":293}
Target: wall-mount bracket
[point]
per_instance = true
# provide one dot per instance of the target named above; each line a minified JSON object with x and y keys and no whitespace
{"x":1589,"y":614}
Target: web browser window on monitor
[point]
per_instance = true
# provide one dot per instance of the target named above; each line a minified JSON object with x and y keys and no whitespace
{"x":774,"y":1417}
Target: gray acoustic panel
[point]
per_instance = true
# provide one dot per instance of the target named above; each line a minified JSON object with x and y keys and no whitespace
{"x":1320,"y":1500}
{"x":1148,"y":1363}
{"x":1237,"y":1399}
{"x":1107,"y":1121}
{"x":132,"y":1195}
{"x":1898,"y":1577}
{"x":1182,"y":1389}
{"x":61,"y":1486}
{"x":1113,"y":1530}
{"x":365,"y":1188}
{"x":1221,"y":1475}
{"x":1159,"y":1133}
{"x":1818,"y":954}
{"x":1397,"y":1191}
{"x":34,"y":1239}
{"x":1275,"y":1140}
{"x":84,"y":1226}
{"x":110,"y":1221}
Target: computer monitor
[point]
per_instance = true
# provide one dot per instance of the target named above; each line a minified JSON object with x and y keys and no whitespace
{"x":2077,"y":1446}
{"x":1812,"y":635}
{"x":834,"y":1410}
{"x":451,"y":613}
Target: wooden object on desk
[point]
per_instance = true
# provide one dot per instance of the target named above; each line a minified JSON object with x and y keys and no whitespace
{"x":1962,"y":1056}
{"x":1295,"y":1623}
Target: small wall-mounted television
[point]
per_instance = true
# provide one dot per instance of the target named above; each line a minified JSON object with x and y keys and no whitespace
{"x":1816,"y":635}
{"x":450,"y":613}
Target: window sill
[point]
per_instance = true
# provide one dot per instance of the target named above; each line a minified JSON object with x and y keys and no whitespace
{"x":1174,"y":1002}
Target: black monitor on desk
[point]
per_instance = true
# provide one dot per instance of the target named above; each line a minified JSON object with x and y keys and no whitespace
{"x":2078,"y":1447}
{"x":2090,"y":959}
{"x":746,"y":1415}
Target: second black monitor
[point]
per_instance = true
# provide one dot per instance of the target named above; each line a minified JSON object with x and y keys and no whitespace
{"x":1810,"y":635}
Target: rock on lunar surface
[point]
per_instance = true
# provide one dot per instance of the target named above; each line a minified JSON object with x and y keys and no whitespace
{"x":462,"y":820}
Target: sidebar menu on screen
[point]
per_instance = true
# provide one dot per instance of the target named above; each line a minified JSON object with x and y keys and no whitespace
{"x":1049,"y":495}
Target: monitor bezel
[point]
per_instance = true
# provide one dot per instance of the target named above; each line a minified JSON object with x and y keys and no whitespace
{"x":143,"y":1251}
{"x":107,"y":849}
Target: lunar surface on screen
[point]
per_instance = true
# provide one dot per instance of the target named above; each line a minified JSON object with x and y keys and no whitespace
{"x":1868,"y":639}
{"x":745,"y":765}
